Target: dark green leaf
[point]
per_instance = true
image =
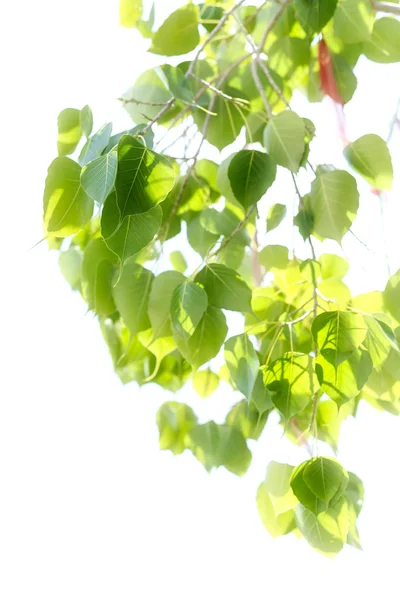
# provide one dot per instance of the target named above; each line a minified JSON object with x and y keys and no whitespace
{"x":144,"y":178}
{"x":250,"y":174}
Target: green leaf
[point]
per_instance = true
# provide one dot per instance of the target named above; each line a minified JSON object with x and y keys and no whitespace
{"x":251,"y":173}
{"x":384,"y":46}
{"x":67,"y":207}
{"x":97,"y":275}
{"x":160,"y":302}
{"x":338,"y":334}
{"x":179,"y":33}
{"x":86,"y":120}
{"x":345,"y":78}
{"x":131,"y":295}
{"x":327,"y":532}
{"x":225,"y":125}
{"x":284,"y":139}
{"x":315,"y":14}
{"x":205,"y":383}
{"x":242,"y":362}
{"x":327,"y":413}
{"x":225,"y":288}
{"x":130,"y":11}
{"x":178,"y":261}
{"x":150,"y":86}
{"x":207,"y":339}
{"x":69,"y":130}
{"x":188,"y":304}
{"x":380,"y":339}
{"x":333,"y":202}
{"x":179,"y":85}
{"x":287,"y":54}
{"x":391,"y":296}
{"x":220,"y":446}
{"x":245,"y":417}
{"x":333,"y":266}
{"x":199,"y":237}
{"x":274,"y":257}
{"x":353,"y":21}
{"x":370,"y":157}
{"x":326,"y":478}
{"x":344,"y":382}
{"x":70,"y":263}
{"x":276,"y":214}
{"x":292,"y":381}
{"x":276,"y":524}
{"x":174,"y":421}
{"x":144,"y":178}
{"x":128,"y":237}
{"x":210,"y":15}
{"x":95,"y":145}
{"x":98,"y":176}
{"x":277,"y":484}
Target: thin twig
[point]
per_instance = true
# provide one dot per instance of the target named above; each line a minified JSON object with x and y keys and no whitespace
{"x":386,"y":7}
{"x":234,"y":232}
{"x":212,"y":34}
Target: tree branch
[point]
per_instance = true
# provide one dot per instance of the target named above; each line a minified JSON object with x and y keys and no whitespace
{"x":386,"y":7}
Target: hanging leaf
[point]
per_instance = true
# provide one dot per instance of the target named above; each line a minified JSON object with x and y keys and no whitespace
{"x":95,"y":145}
{"x":98,"y":270}
{"x":384,"y":45}
{"x":242,"y":362}
{"x":207,"y":339}
{"x":160,"y":298}
{"x":370,"y":157}
{"x":188,"y":304}
{"x":327,"y":531}
{"x":227,"y":121}
{"x":67,"y":207}
{"x":178,"y":261}
{"x":220,"y":446}
{"x":174,"y":421}
{"x":131,"y":294}
{"x":333,"y":266}
{"x":250,"y":174}
{"x":86,"y":120}
{"x":353,"y":21}
{"x":98,"y":177}
{"x":225,"y":288}
{"x":276,"y":501}
{"x":179,"y":33}
{"x":292,"y":382}
{"x":338,"y":334}
{"x":315,"y":14}
{"x":69,"y":131}
{"x":130,"y":11}
{"x":205,"y":383}
{"x":135,"y":232}
{"x":284,"y":139}
{"x":333,"y":202}
{"x":344,"y":382}
{"x":70,"y":263}
{"x":144,"y":178}
{"x":276,"y":214}
{"x":391,"y":296}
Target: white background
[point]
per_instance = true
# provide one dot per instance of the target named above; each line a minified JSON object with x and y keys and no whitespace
{"x":89,"y":507}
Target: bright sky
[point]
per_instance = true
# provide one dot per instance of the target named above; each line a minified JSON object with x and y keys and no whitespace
{"x":89,"y":507}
